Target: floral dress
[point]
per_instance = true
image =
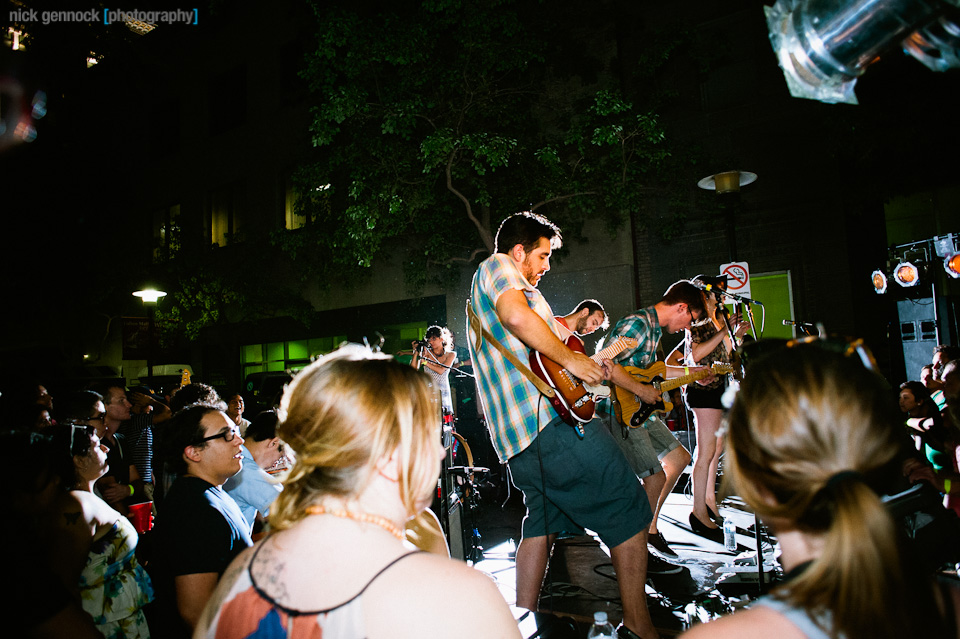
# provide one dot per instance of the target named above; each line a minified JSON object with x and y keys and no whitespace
{"x":114,"y":587}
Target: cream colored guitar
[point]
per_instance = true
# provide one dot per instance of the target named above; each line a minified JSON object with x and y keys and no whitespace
{"x":637,"y":410}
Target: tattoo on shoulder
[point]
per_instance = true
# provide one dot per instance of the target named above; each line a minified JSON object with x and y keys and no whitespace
{"x":270,"y":571}
{"x":72,"y":518}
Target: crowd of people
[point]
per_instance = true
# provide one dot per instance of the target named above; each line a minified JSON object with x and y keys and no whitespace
{"x":332,"y":545}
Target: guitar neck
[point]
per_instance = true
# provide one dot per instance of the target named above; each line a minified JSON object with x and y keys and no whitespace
{"x":610,"y":351}
{"x":677,"y":382}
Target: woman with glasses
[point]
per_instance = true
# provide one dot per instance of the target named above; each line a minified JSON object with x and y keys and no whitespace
{"x":813,"y":442}
{"x":366,"y":435}
{"x":94,"y":547}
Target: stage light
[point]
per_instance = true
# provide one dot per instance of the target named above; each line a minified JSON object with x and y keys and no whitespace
{"x":906,"y":274}
{"x":824,"y":47}
{"x":951,"y":264}
{"x":879,"y":282}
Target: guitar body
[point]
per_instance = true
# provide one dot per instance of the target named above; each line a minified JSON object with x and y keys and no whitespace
{"x":573,"y":403}
{"x":638,"y":411}
{"x":575,"y":400}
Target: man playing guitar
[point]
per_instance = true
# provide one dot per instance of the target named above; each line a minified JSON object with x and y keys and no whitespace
{"x":538,"y":446}
{"x":655,"y":455}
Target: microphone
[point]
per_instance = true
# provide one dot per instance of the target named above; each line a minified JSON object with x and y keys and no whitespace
{"x":801,"y":324}
{"x":720,"y":291}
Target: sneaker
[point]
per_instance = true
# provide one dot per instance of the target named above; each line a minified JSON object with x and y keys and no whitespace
{"x":656,"y":566}
{"x":658,"y":546}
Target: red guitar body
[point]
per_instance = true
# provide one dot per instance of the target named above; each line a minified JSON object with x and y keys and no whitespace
{"x":573,"y":403}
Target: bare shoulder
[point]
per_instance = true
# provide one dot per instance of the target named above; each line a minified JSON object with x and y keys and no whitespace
{"x":759,"y":622}
{"x":424,"y":580}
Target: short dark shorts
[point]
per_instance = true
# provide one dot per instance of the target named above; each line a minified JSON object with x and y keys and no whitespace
{"x":699,"y":397}
{"x":584,"y":484}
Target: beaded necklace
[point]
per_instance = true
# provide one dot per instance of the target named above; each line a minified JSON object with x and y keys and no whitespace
{"x":342,"y":513}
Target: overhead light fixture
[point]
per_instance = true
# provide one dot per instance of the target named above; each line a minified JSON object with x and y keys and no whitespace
{"x":727,"y":181}
{"x":149,"y":295}
{"x":879,"y":282}
{"x":951,"y":264}
{"x":906,"y":274}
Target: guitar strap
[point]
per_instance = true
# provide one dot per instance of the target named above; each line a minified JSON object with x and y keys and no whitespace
{"x":479,"y":333}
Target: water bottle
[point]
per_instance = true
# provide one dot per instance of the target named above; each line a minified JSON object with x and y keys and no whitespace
{"x":729,"y":535}
{"x":601,"y":628}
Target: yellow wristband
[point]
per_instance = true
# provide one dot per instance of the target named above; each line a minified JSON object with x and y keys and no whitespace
{"x":131,"y":489}
{"x":946,"y":486}
{"x":686,"y":370}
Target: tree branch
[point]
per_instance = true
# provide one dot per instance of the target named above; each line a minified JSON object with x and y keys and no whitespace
{"x":484,"y":231}
{"x":560,"y":198}
{"x":473,"y":255}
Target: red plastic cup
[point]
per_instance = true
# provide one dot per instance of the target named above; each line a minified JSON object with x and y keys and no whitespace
{"x":142,"y":516}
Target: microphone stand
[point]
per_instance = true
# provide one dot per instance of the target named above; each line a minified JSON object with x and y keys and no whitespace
{"x":725,"y":315}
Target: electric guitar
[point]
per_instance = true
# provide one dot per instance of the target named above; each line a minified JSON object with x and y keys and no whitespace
{"x":629,"y":404}
{"x":574,"y":400}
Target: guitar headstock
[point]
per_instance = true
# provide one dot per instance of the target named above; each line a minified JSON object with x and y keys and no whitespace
{"x":626,"y":342}
{"x":720,"y":368}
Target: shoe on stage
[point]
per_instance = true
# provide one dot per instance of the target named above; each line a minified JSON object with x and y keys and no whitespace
{"x":657,"y":545}
{"x":697,"y":527}
{"x":625,"y":633}
{"x":715,"y":516}
{"x":657,"y":566}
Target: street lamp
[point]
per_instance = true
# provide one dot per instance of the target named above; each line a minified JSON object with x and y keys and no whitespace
{"x":150,"y":297}
{"x":727,"y":185}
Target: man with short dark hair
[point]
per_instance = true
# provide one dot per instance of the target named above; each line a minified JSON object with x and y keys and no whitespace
{"x":586,"y":318}
{"x":540,"y":449}
{"x":655,"y":455}
{"x":200,"y":528}
{"x":235,"y":412}
{"x":122,"y":484}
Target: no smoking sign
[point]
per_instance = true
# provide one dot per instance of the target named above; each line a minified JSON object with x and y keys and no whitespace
{"x":738,"y":277}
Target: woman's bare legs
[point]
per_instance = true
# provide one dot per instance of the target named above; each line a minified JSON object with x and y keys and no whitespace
{"x":704,"y":476}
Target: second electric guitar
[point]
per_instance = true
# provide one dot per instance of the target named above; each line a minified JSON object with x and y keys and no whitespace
{"x":574,"y":400}
{"x":637,"y":410}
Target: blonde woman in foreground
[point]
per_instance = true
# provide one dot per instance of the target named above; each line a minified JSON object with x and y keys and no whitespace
{"x":366,"y":433}
{"x":812,"y":439}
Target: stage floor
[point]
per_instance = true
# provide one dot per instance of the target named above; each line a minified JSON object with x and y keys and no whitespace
{"x":581,"y":579}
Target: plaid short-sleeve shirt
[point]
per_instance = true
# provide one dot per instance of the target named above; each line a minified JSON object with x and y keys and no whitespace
{"x":643,"y":326}
{"x":514,"y":408}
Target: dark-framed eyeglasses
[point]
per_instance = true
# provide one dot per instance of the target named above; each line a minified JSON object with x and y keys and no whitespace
{"x":228,"y":435}
{"x":97,"y":418}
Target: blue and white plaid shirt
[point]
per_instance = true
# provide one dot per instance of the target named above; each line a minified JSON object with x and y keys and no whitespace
{"x":515,"y":409}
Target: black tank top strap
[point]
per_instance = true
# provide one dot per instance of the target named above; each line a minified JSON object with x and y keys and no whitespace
{"x":292,"y":611}
{"x":385,"y":569}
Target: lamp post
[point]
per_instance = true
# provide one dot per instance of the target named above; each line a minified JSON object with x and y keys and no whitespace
{"x":150,"y":297}
{"x":727,"y":185}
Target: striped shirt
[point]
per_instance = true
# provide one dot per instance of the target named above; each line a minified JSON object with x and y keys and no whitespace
{"x":138,"y":431}
{"x":515,"y":409}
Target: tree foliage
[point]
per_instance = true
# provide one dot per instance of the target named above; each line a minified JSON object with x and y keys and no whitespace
{"x":433,"y":120}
